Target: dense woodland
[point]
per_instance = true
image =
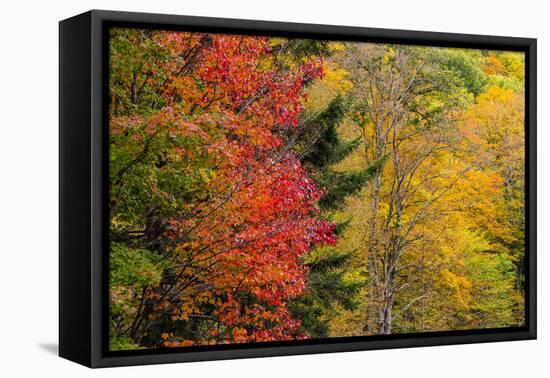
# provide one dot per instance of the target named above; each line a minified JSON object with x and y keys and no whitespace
{"x":267,"y":189}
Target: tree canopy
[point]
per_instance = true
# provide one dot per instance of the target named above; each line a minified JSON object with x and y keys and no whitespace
{"x":270,"y":189}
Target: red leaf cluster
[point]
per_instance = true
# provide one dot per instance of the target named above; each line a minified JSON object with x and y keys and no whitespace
{"x":238,"y":250}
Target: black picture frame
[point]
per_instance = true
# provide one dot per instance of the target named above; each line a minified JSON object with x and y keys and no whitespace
{"x":83,"y":164}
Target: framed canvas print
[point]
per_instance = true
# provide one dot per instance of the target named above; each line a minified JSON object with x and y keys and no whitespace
{"x":234,"y":188}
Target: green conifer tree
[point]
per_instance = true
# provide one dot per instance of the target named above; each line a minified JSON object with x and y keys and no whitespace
{"x":321,"y":147}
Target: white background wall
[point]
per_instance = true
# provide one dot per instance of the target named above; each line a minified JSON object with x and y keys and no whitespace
{"x":29,"y":188}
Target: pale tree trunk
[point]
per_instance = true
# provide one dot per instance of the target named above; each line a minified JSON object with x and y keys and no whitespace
{"x":375,"y":287}
{"x":385,"y":319}
{"x":395,"y":246}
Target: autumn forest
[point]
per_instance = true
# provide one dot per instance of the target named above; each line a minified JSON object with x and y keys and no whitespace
{"x":270,"y":189}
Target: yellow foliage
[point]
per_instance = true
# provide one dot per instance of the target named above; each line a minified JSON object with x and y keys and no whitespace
{"x":493,"y":66}
{"x":336,"y":77}
{"x":460,"y":286}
